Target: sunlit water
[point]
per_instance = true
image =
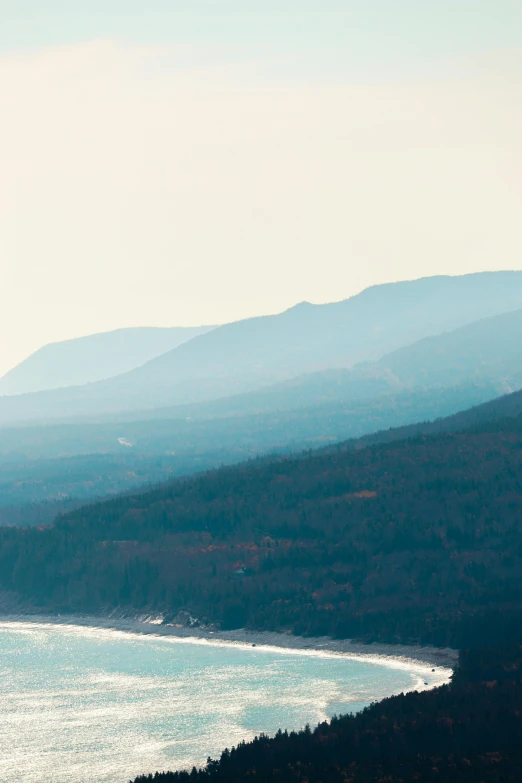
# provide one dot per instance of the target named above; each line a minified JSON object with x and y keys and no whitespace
{"x":88,"y":705}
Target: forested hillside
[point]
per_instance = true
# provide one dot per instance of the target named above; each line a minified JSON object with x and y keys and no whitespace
{"x":414,"y":540}
{"x":465,"y":732}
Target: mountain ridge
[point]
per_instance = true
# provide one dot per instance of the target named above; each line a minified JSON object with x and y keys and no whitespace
{"x":256,"y":352}
{"x":92,"y":358}
{"x":486,"y":352}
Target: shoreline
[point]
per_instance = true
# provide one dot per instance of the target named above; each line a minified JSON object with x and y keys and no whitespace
{"x":422,"y":656}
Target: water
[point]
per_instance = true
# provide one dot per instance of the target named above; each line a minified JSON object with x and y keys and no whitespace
{"x":83,"y":704}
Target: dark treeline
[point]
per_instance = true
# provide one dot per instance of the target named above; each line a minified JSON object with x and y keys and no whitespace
{"x":418,"y":540}
{"x":467,"y":732}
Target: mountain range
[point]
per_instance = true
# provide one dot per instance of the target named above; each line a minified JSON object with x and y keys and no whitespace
{"x":93,"y":358}
{"x":434,"y":377}
{"x":485,"y":352}
{"x":258,"y":352}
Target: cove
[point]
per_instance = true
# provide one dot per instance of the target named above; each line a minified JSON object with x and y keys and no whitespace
{"x":93,"y":704}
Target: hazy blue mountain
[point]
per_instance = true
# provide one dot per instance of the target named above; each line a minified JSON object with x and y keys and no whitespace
{"x":257,"y":352}
{"x":93,"y":358}
{"x":243,"y":435}
{"x":490,"y":348}
{"x":309,"y":337}
{"x":486,"y":353}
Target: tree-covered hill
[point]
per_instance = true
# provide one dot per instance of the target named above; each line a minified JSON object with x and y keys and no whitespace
{"x":467,"y":732}
{"x":412,"y":540}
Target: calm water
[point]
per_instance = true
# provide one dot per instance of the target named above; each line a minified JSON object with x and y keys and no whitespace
{"x":88,"y":705}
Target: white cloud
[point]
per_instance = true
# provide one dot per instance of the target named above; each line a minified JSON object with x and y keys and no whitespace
{"x":136,"y":189}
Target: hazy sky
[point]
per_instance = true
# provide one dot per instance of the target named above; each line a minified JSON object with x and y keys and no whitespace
{"x":179,"y":162}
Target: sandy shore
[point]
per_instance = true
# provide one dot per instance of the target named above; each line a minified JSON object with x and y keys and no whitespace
{"x":423,"y":656}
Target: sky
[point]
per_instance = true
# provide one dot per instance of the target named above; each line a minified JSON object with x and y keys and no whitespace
{"x":172,"y":163}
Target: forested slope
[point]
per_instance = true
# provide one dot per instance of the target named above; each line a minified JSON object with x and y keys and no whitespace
{"x":413,"y":540}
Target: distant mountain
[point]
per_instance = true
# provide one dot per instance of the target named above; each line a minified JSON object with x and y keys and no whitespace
{"x":432,"y":378}
{"x":249,"y":354}
{"x":106,"y":457}
{"x":93,"y":358}
{"x":486,"y":354}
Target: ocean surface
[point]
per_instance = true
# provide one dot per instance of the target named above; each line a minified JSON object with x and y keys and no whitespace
{"x":87,"y":705}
